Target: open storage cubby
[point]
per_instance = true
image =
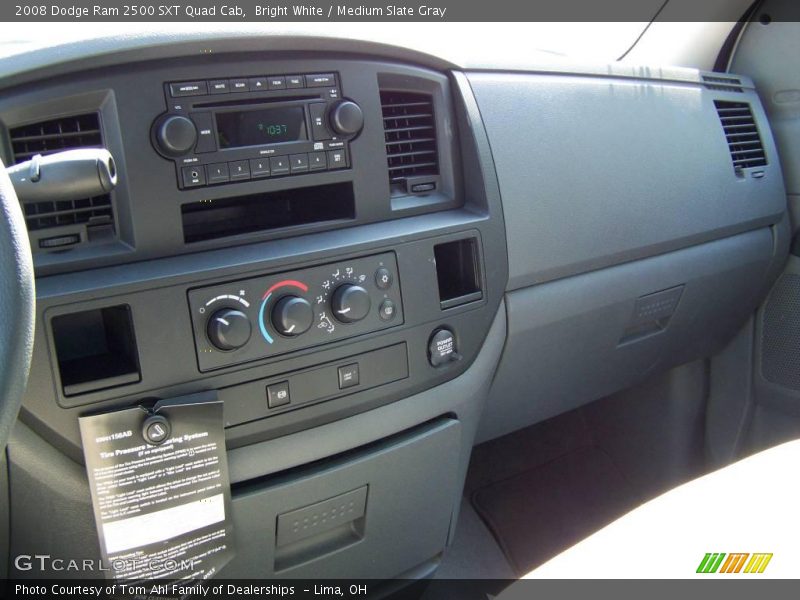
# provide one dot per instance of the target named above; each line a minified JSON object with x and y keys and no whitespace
{"x":95,"y":349}
{"x":458,"y":272}
{"x":210,"y":220}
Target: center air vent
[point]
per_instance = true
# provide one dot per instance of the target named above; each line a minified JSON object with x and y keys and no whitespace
{"x":410,"y":136}
{"x":741,"y":133}
{"x":61,"y":225}
{"x":47,"y":137}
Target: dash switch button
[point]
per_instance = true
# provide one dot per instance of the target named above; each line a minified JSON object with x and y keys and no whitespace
{"x":348,"y":376}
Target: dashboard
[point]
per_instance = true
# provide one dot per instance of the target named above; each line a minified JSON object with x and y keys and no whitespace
{"x":375,"y":259}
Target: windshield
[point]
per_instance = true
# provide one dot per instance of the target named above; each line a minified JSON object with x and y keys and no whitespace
{"x":458,"y":42}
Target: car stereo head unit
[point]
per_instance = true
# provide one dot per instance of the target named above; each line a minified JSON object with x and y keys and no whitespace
{"x":229,"y":130}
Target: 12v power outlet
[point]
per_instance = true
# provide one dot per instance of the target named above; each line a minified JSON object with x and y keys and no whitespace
{"x":442,"y":347}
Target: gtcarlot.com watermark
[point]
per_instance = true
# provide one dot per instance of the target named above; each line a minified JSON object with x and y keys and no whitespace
{"x":46,"y":562}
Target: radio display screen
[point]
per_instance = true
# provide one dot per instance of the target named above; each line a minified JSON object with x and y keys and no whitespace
{"x":261,"y":126}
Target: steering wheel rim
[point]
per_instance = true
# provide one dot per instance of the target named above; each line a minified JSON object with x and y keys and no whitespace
{"x":17,"y":299}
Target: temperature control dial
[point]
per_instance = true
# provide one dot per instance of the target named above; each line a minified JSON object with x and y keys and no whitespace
{"x":350,"y":303}
{"x":228,"y":329}
{"x":292,"y":316}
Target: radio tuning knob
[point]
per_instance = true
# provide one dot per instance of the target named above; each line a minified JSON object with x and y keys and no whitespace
{"x":175,"y":135}
{"x":228,"y":329}
{"x":350,"y":303}
{"x":292,"y":316}
{"x":346,"y":118}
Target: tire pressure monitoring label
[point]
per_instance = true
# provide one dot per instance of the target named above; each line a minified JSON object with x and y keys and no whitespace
{"x":160,"y":490}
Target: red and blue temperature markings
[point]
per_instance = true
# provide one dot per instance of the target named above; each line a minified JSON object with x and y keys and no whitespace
{"x":265,"y":299}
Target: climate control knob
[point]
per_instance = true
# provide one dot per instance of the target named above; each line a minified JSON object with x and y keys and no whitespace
{"x":228,"y":329}
{"x":175,"y":135}
{"x":292,"y":316}
{"x":350,"y":303}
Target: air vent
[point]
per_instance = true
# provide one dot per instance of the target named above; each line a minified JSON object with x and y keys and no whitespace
{"x":46,"y":137}
{"x":91,"y":211}
{"x":741,"y":132}
{"x":723,"y":83}
{"x":410,"y":136}
{"x":61,"y":225}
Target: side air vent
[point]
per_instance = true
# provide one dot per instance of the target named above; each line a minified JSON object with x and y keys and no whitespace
{"x":61,"y":225}
{"x":723,"y":83}
{"x":741,"y":132}
{"x":44,"y":215}
{"x":410,"y":135}
{"x":55,"y":135}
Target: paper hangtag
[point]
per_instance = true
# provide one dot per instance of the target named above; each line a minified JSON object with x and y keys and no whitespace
{"x":162,"y":510}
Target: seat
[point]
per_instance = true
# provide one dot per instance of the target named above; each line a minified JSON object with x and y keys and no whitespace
{"x":749,"y":507}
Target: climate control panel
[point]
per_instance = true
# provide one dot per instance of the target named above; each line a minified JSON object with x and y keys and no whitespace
{"x":256,"y":318}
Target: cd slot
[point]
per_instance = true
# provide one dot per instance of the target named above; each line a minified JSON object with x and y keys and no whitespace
{"x":209,"y":220}
{"x":260,"y":100}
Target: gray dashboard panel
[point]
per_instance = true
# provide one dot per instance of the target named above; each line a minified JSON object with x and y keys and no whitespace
{"x":596,"y":171}
{"x":567,"y":344}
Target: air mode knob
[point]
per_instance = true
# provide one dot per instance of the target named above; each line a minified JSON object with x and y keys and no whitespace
{"x":228,"y":329}
{"x":175,"y":135}
{"x":350,"y":303}
{"x":346,"y":118}
{"x":292,"y":316}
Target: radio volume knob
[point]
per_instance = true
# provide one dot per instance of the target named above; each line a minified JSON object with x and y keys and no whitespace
{"x":176,"y":135}
{"x":292,"y":316}
{"x":350,"y":303}
{"x":346,"y":118}
{"x":228,"y":329}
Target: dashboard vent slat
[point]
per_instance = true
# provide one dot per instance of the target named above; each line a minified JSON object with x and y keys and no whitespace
{"x":44,"y":215}
{"x":741,"y":133}
{"x":82,"y":218}
{"x":409,"y":128}
{"x":723,"y":83}
{"x":56,"y":135}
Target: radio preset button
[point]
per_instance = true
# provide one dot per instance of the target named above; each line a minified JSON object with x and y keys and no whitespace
{"x":337,"y":159}
{"x":295,"y":81}
{"x":279,"y":165}
{"x":218,"y":86}
{"x":240,"y":170}
{"x":259,"y":167}
{"x":258,"y":84}
{"x":321,"y":80}
{"x":299,"y":163}
{"x":218,"y":173}
{"x":193,"y":176}
{"x":188,"y":88}
{"x":240,"y":85}
{"x":317,"y":161}
{"x":277,"y":83}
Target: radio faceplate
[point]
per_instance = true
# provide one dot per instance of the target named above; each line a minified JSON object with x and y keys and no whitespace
{"x":231,"y":130}
{"x":265,"y":316}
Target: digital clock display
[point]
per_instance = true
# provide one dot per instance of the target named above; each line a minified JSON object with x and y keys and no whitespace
{"x":261,"y":126}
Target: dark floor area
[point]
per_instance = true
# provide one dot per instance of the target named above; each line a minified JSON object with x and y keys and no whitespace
{"x":556,"y":504}
{"x":541,"y":489}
